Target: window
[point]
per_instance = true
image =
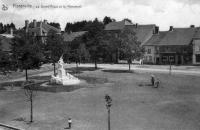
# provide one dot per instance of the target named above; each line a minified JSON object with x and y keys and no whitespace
{"x":164,"y":58}
{"x":171,"y":58}
{"x":197,"y":57}
{"x":149,"y":51}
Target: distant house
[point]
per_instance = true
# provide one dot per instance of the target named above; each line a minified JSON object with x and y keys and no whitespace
{"x":176,"y":46}
{"x":142,"y":32}
{"x":40,"y":29}
{"x":196,"y":47}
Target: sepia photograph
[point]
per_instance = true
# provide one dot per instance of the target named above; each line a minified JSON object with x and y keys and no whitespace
{"x":100,"y":64}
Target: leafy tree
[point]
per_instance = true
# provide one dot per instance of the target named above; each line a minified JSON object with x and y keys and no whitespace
{"x":107,"y":20}
{"x":129,"y":46}
{"x":5,"y":63}
{"x":1,"y":28}
{"x":27,"y":52}
{"x":94,"y":36}
{"x":83,"y":53}
{"x":56,"y":25}
{"x":76,"y":26}
{"x":55,"y":48}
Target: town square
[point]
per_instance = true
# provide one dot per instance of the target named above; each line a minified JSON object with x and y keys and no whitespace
{"x":99,"y":65}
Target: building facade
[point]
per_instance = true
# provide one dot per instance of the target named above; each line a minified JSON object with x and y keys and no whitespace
{"x":40,"y":29}
{"x":142,"y":32}
{"x":177,"y":46}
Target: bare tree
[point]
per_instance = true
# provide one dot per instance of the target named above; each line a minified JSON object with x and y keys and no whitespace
{"x":30,"y":92}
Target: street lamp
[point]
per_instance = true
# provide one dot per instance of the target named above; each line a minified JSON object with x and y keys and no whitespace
{"x":108,"y":105}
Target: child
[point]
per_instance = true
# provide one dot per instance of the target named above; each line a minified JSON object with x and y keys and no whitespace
{"x":70,"y":123}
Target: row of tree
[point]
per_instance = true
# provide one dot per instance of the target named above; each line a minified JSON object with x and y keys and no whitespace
{"x":98,"y":45}
{"x":6,"y":27}
{"x":95,"y":46}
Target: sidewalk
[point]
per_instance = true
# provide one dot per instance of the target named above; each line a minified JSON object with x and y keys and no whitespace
{"x":186,"y":70}
{"x":47,"y":69}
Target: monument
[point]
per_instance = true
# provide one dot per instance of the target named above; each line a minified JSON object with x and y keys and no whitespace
{"x":62,"y":77}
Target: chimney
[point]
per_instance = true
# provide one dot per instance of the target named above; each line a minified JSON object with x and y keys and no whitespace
{"x":34,"y":23}
{"x":26,"y":23}
{"x":136,"y":25}
{"x":156,"y":31}
{"x":45,"y":21}
{"x":171,"y":28}
{"x":192,"y":26}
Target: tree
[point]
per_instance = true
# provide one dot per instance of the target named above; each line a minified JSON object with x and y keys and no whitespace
{"x":55,"y":48}
{"x":107,"y":20}
{"x":129,"y":45}
{"x":27,"y":52}
{"x":56,"y":25}
{"x":30,"y":90}
{"x":76,"y":26}
{"x":30,"y":94}
{"x":94,"y":36}
{"x":108,"y":100}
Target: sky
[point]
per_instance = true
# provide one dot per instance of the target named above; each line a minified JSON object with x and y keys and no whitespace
{"x":164,"y":13}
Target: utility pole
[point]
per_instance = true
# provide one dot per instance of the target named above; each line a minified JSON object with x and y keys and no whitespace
{"x":170,"y":67}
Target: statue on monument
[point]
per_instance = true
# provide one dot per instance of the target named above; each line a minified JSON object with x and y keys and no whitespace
{"x":62,"y":77}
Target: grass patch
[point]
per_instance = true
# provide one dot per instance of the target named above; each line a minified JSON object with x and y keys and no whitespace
{"x":40,"y":78}
{"x":54,"y":88}
{"x":93,"y":80}
{"x":79,"y":70}
{"x":15,"y":83}
{"x":118,"y":71}
{"x":58,"y":88}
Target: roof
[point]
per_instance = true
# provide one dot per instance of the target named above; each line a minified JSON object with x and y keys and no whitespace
{"x":179,"y":36}
{"x":117,"y":25}
{"x":156,"y":38}
{"x":41,"y":26}
{"x":68,"y":37}
{"x":5,"y":43}
{"x":144,"y":32}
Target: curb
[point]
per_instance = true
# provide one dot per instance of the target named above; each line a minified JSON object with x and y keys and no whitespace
{"x":9,"y":127}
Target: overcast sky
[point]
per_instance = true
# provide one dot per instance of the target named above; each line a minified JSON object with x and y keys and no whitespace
{"x":164,"y":13}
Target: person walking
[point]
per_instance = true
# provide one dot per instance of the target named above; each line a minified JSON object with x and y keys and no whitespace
{"x":152,"y":80}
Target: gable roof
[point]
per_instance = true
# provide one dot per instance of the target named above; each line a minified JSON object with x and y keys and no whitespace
{"x":155,"y":39}
{"x":68,"y":37}
{"x":41,"y":26}
{"x":179,"y":36}
{"x":144,"y":32}
{"x":117,"y":25}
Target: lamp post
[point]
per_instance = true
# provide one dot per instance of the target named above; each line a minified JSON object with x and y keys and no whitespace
{"x":108,"y":105}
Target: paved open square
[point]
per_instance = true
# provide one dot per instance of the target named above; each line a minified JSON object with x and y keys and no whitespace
{"x":136,"y":105}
